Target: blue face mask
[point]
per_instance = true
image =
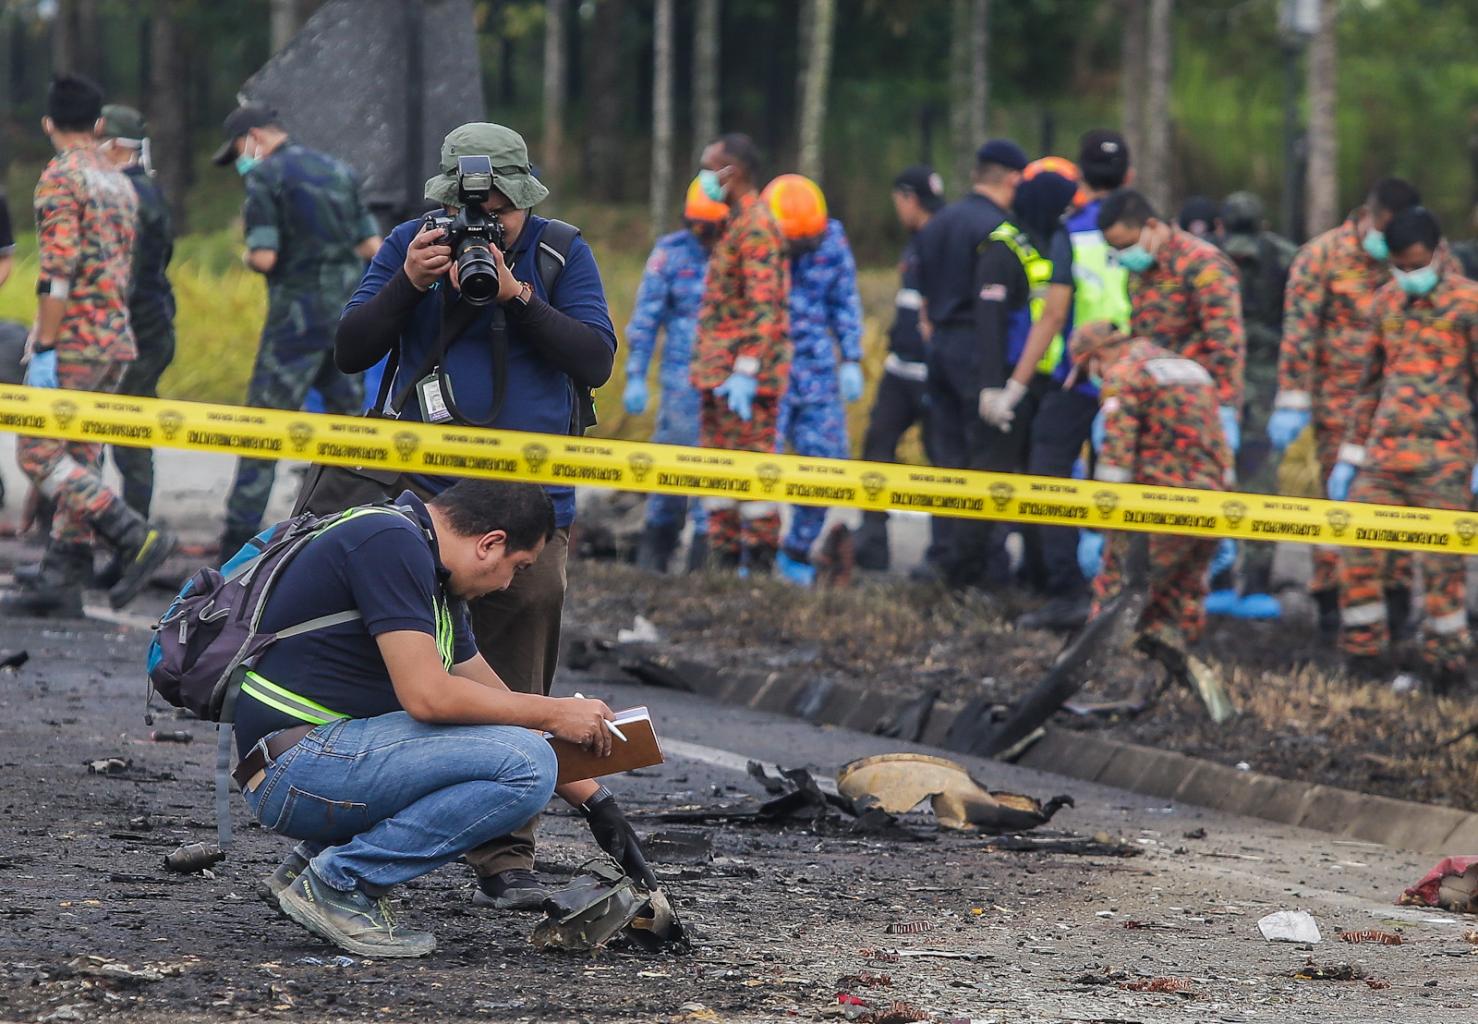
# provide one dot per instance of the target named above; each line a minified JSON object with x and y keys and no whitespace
{"x":1417,"y":282}
{"x":245,"y":163}
{"x":1374,"y":244}
{"x":1096,"y":380}
{"x":711,"y":186}
{"x":1136,"y":259}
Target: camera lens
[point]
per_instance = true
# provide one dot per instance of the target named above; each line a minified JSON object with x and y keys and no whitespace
{"x":477,"y":274}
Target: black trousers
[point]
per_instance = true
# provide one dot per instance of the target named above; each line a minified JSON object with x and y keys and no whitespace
{"x":900,"y":403}
{"x":1059,"y":431}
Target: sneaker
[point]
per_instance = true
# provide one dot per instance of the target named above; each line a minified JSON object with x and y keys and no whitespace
{"x":515,"y":889}
{"x":350,"y":920}
{"x":1060,"y":613}
{"x":270,"y":888}
{"x":140,"y":561}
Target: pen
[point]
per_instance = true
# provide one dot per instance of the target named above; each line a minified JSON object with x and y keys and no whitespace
{"x":609,"y":724}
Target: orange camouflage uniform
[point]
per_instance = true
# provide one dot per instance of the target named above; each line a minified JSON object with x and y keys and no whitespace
{"x":1190,"y":302}
{"x":1411,"y":433}
{"x":744,"y":326}
{"x":86,"y":216}
{"x":1161,"y":427}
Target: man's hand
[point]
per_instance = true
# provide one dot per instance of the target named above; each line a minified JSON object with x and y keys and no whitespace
{"x":740,"y":390}
{"x":1340,"y":478}
{"x":508,"y":285}
{"x":998,"y":405}
{"x":1230,"y":426}
{"x":581,"y":721}
{"x":427,"y":258}
{"x":634,"y":398}
{"x":616,"y":836}
{"x":1285,"y":425}
{"x":851,"y":380}
{"x":41,"y":371}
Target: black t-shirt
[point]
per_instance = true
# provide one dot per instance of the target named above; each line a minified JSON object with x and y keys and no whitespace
{"x":904,"y":338}
{"x":7,"y":233}
{"x":947,"y":248}
{"x":387,"y":568}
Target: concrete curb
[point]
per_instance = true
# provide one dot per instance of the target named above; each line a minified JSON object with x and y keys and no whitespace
{"x":1425,"y":828}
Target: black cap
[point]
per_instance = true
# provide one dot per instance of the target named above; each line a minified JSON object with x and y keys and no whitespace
{"x":1004,"y":152}
{"x":1198,"y":215}
{"x":238,"y":123}
{"x":922,"y":181}
{"x":1103,"y":156}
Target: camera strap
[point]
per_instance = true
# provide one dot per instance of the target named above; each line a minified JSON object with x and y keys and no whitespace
{"x":456,"y":317}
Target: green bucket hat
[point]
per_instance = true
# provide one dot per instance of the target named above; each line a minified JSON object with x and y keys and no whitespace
{"x":120,"y":122}
{"x":512,"y":174}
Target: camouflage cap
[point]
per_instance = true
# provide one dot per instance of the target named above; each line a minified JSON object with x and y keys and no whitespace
{"x":120,"y":122}
{"x":1094,"y":336}
{"x":1242,"y":213}
{"x":512,"y":174}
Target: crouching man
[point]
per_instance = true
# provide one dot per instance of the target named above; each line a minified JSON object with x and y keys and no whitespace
{"x":385,"y":743}
{"x":1161,"y":426}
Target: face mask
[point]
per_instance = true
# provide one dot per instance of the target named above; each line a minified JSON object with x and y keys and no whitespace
{"x":1374,"y":244}
{"x":711,"y":186}
{"x":1096,"y":380}
{"x":1417,"y":282}
{"x":245,"y":163}
{"x":1136,"y":259}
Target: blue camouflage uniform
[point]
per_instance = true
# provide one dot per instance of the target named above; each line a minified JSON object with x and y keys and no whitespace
{"x":825,"y":313}
{"x":305,"y":206}
{"x":670,"y":293}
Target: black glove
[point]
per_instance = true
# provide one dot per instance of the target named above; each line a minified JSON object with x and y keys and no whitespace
{"x":616,"y":836}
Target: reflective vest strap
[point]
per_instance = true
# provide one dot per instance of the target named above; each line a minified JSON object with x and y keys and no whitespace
{"x":291,"y":704}
{"x":1038,"y":270}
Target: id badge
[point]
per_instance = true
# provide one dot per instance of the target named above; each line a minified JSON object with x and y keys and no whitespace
{"x":433,"y":403}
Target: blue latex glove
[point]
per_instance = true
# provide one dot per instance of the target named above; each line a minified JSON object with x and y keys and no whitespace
{"x":1230,"y":426}
{"x":1097,"y":432}
{"x":1225,"y":557}
{"x":635,"y":396}
{"x":41,"y":372}
{"x":1090,"y":553}
{"x":851,"y":381}
{"x":740,"y":390}
{"x":1473,"y":481}
{"x":1285,"y":425}
{"x":1340,"y":479}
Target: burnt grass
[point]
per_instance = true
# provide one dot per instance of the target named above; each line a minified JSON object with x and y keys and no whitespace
{"x":1300,"y":717}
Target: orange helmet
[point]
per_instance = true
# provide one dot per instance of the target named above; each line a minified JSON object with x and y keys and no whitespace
{"x":797,"y":204}
{"x":700,"y":208}
{"x":1059,"y":165}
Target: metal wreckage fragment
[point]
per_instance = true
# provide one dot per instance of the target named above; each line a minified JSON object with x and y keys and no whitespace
{"x":896,"y":783}
{"x":603,"y":905}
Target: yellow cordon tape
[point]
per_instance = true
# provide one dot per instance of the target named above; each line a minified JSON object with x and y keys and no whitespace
{"x":705,"y":472}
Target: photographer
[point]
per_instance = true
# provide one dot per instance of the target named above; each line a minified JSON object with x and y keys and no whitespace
{"x":491,"y":345}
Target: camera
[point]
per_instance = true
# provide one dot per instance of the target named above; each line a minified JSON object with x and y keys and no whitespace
{"x":471,"y":233}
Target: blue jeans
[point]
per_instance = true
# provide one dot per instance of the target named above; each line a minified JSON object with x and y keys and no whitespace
{"x":379,"y":801}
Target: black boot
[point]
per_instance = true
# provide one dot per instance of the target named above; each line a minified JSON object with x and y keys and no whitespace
{"x":658,"y":542}
{"x":871,"y":542}
{"x":55,"y":591}
{"x":142,"y":547}
{"x":1398,"y":614}
{"x":698,"y":552}
{"x":1328,"y":604}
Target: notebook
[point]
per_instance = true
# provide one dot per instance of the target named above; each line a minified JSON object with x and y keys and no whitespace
{"x":640,"y":750}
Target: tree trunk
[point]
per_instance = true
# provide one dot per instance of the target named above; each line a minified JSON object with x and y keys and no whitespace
{"x":979,"y":68}
{"x":169,"y":123}
{"x":962,"y":142}
{"x":286,"y":18}
{"x":555,"y":14}
{"x":1323,"y":180}
{"x":661,"y":191}
{"x":604,"y":125}
{"x":75,"y":41}
{"x":1155,"y":182}
{"x":1133,"y":58}
{"x":816,"y":76}
{"x":705,"y":73}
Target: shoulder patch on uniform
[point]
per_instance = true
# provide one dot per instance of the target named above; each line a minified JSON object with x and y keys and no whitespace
{"x":1177,"y":370}
{"x":993,"y":293}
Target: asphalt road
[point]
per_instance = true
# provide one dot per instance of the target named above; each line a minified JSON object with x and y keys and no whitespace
{"x":782,"y":915}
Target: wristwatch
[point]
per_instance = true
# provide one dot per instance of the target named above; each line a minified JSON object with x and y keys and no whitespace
{"x":601,"y":796}
{"x":522,"y":297}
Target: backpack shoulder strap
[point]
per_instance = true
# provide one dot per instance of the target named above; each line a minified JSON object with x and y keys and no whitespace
{"x":552,"y":252}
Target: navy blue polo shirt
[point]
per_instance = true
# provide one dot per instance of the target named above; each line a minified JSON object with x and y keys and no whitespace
{"x":947,"y":248}
{"x":386,"y":567}
{"x":538,"y":396}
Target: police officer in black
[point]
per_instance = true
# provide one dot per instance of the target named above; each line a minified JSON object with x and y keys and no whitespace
{"x":901,"y":400}
{"x":947,"y":254}
{"x":124,"y":141}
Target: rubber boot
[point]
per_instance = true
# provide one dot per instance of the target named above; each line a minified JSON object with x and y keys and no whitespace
{"x":871,"y":543}
{"x":142,"y":547}
{"x":1398,"y":614}
{"x":795,"y":570}
{"x":758,"y":560}
{"x":698,"y":552}
{"x":1328,"y":605}
{"x":56,"y":590}
{"x":658,"y":542}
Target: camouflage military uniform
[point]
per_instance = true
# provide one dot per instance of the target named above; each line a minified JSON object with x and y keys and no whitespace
{"x":743,"y":323}
{"x":1411,"y":432}
{"x":668,"y":299}
{"x":1161,"y":427}
{"x":1262,"y":259}
{"x":304,"y":206}
{"x":825,"y":315}
{"x":151,"y":312}
{"x":1189,"y":302}
{"x":85,"y":216}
